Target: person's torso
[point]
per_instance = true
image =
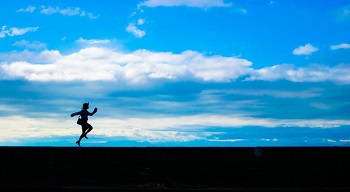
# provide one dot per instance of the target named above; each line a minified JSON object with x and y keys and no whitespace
{"x":84,"y":114}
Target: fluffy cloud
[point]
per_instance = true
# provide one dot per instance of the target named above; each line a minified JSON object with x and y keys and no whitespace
{"x":14,"y":31}
{"x":131,"y":28}
{"x":143,"y":66}
{"x":91,"y":64}
{"x":188,"y":3}
{"x":340,"y":46}
{"x":305,"y":50}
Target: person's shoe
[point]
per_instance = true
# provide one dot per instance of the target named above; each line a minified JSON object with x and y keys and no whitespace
{"x":86,"y":137}
{"x":78,"y":143}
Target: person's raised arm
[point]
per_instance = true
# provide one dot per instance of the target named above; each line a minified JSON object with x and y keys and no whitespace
{"x":95,"y":110}
{"x":91,"y":114}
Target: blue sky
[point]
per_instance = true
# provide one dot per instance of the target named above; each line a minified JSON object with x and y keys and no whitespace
{"x":176,"y":72}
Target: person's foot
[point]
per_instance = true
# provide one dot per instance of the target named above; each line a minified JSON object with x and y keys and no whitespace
{"x":86,"y":137}
{"x":78,"y":142}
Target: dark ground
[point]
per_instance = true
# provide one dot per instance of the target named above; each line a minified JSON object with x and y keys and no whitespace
{"x":158,"y":168}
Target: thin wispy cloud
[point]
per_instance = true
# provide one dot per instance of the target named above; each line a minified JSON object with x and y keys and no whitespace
{"x":312,"y":73}
{"x":312,"y":93}
{"x":93,"y":41}
{"x":340,"y":46}
{"x":29,"y":9}
{"x":188,"y":3}
{"x":30,"y":45}
{"x":343,"y":14}
{"x":69,"y":11}
{"x":14,"y":31}
{"x":307,"y":49}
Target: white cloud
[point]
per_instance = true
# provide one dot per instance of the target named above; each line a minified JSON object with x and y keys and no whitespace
{"x":48,"y":56}
{"x":92,"y":64}
{"x":131,"y":28}
{"x":274,"y":73}
{"x":305,"y":50}
{"x":21,"y":31}
{"x":140,"y":21}
{"x":45,"y":56}
{"x":226,"y":140}
{"x":17,"y":56}
{"x":29,"y":9}
{"x":30,"y":45}
{"x":70,"y":11}
{"x":92,"y":41}
{"x":92,"y":16}
{"x":312,"y":73}
{"x":340,"y":46}
{"x":141,"y":66}
{"x":189,"y":3}
{"x":14,"y":31}
{"x":311,"y":93}
{"x":12,"y":126}
{"x":268,"y":140}
{"x":3,"y":32}
{"x":243,"y":11}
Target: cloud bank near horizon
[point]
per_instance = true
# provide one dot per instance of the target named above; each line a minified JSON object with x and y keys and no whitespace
{"x":160,"y":129}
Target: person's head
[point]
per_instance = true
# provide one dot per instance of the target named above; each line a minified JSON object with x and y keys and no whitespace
{"x":86,"y":106}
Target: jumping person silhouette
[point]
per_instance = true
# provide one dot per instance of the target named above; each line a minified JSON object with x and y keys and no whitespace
{"x":85,"y":126}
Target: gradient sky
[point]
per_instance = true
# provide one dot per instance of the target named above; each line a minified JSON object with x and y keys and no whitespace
{"x":176,"y":72}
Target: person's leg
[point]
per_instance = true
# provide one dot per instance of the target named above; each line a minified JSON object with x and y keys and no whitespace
{"x":89,"y":128}
{"x":84,"y":128}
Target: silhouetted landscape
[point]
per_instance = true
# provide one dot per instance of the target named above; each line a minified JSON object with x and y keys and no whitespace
{"x":175,"y":168}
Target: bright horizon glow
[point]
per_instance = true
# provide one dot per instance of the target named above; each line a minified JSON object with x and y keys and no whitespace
{"x":176,"y":73}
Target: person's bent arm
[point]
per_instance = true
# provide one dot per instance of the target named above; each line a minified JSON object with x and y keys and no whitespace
{"x":95,"y":110}
{"x":91,"y":114}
